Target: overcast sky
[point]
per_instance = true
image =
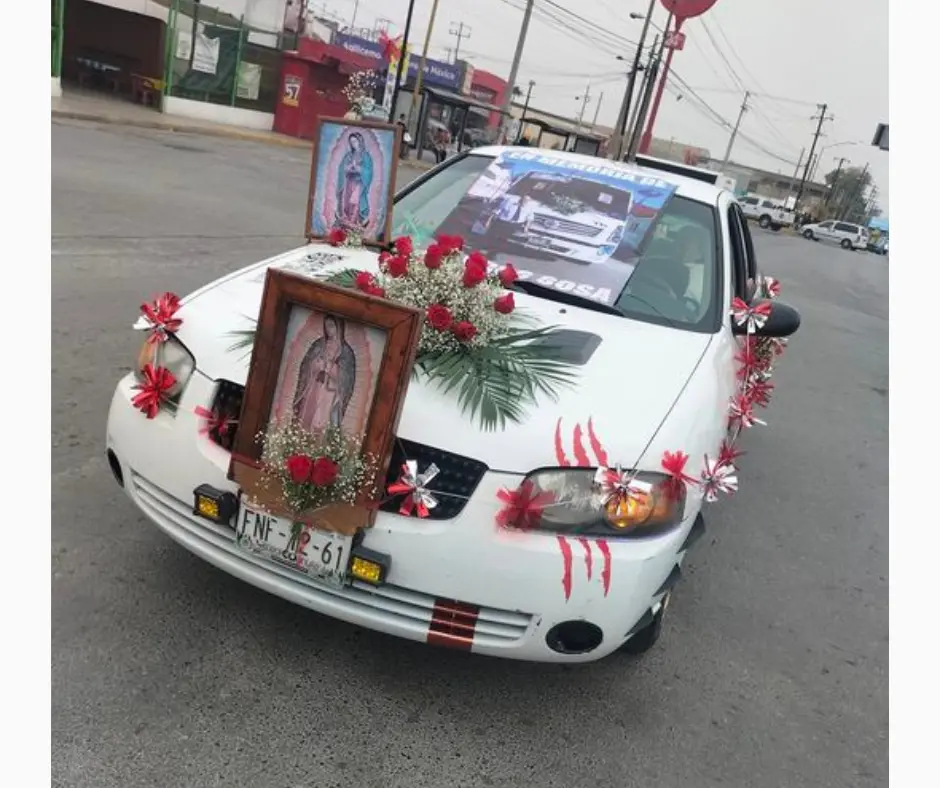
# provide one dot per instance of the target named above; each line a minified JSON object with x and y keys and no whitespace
{"x":792,"y":55}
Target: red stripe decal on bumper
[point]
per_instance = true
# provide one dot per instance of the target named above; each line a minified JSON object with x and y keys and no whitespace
{"x":453,"y":624}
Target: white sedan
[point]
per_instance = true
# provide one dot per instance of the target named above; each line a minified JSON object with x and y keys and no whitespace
{"x":659,"y":398}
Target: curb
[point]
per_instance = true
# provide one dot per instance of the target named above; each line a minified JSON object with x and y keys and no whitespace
{"x":233,"y":132}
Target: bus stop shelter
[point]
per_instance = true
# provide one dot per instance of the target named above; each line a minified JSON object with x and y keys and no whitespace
{"x":573,"y":140}
{"x":452,"y":104}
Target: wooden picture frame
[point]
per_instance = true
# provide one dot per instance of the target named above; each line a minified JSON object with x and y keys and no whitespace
{"x":401,"y":328}
{"x":377,"y":140}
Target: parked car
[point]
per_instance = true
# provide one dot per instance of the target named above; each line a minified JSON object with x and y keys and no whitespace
{"x":767,"y":213}
{"x":845,"y":234}
{"x":656,"y":370}
{"x":878,"y":244}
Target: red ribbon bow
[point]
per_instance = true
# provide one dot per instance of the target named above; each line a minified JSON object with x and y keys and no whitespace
{"x":391,"y":48}
{"x":213,"y":421}
{"x":161,"y":314}
{"x":524,"y":506}
{"x":673,"y":463}
{"x":154,"y":389}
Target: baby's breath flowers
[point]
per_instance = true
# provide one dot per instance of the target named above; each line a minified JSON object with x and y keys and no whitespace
{"x":314,"y":469}
{"x":359,"y":91}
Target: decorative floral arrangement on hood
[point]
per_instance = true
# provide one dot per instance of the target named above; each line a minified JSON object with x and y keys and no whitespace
{"x":474,"y":345}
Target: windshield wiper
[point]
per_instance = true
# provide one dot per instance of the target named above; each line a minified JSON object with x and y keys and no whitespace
{"x":546,"y":291}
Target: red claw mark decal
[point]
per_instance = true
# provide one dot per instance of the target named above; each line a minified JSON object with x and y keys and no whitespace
{"x":559,"y":447}
{"x":566,"y":555}
{"x":605,"y":572}
{"x":596,"y":446}
{"x":588,"y":558}
{"x":580,"y":454}
{"x":583,"y":460}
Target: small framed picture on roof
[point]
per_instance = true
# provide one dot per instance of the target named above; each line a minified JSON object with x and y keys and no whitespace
{"x":352,"y":179}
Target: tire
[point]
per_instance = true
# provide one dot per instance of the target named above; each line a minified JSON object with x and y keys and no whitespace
{"x":764,"y":222}
{"x":846,"y":244}
{"x":647,"y":637}
{"x":808,"y":235}
{"x":775,"y":228}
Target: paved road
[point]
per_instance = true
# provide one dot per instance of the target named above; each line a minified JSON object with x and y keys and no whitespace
{"x":166,"y":672}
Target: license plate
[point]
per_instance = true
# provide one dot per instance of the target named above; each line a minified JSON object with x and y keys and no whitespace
{"x":323,"y":555}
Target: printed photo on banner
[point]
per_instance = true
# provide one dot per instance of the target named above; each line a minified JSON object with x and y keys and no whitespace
{"x":352,"y":179}
{"x":581,"y":227}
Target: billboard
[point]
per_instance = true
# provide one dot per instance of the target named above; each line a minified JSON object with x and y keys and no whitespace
{"x":436,"y":72}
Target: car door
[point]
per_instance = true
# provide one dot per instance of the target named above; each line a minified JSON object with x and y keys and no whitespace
{"x":824,"y":231}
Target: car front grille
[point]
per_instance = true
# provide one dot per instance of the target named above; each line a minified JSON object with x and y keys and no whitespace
{"x":565,"y":226}
{"x":457,"y":477}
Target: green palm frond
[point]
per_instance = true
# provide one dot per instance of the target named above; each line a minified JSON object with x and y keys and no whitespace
{"x":343,"y":278}
{"x":497,"y":384}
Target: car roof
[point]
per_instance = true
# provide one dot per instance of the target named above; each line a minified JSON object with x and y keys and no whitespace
{"x":692,"y":188}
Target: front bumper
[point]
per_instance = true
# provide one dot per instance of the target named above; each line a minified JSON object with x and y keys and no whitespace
{"x":461,"y":582}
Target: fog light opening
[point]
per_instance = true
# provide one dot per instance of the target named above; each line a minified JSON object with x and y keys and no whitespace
{"x":574,"y":637}
{"x":116,"y":468}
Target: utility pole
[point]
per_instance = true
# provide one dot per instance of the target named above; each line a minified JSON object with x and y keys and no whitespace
{"x":647,"y":138}
{"x":620,"y":130}
{"x":585,"y":99}
{"x":835,"y":180}
{"x":796,"y":172}
{"x":652,"y":70}
{"x":734,"y":132}
{"x":460,"y":31}
{"x":514,"y":69}
{"x":597,"y":110}
{"x":822,"y":118}
{"x":401,"y":62}
{"x":635,"y":115}
{"x":419,"y":80}
{"x":352,"y":24}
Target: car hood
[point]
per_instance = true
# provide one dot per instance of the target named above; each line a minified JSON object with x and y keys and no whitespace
{"x":629,"y":373}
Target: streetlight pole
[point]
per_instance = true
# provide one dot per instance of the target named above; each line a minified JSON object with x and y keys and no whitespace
{"x":402,"y":60}
{"x":621,"y":128}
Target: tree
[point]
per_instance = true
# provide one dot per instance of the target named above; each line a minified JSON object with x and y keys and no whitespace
{"x":848,"y":193}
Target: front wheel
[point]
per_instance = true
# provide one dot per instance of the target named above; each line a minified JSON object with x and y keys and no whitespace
{"x":846,"y":243}
{"x":764,"y":222}
{"x":808,"y":235}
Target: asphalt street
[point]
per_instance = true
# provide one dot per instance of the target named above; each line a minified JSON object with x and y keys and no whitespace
{"x":773,"y":666}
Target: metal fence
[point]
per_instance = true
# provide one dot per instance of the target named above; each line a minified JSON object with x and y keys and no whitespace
{"x":214,"y":56}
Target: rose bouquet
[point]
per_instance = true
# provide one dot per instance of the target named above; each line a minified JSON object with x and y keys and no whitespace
{"x":310,"y":470}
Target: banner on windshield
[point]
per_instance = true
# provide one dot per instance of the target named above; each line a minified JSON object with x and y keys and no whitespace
{"x":577,"y":226}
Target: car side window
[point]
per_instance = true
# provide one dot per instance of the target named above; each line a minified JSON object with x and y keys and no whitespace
{"x":738,"y":253}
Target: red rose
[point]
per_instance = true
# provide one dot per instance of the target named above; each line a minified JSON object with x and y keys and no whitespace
{"x":403,"y":245}
{"x":336,"y":236}
{"x":384,"y":257}
{"x":365,"y":281}
{"x":299,"y":467}
{"x":325,"y":472}
{"x":378,"y":292}
{"x":474,"y":270}
{"x":464,"y":330}
{"x":508,"y":275}
{"x":450,"y":243}
{"x":434,"y":256}
{"x":397,"y":266}
{"x":439,"y":317}
{"x":504,"y":304}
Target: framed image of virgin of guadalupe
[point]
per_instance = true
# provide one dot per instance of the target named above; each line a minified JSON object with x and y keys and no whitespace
{"x":329,"y":371}
{"x":352,"y":179}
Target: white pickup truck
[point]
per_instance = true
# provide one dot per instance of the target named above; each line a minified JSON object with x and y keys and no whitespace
{"x":767,"y":213}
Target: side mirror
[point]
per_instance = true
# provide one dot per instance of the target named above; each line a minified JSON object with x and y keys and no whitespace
{"x":784,"y":321}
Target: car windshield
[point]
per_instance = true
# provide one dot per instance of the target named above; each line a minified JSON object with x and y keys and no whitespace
{"x":572,"y":237}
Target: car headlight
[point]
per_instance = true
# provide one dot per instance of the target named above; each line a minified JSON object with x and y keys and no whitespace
{"x":570,"y":502}
{"x":171,"y":354}
{"x":616,"y":236}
